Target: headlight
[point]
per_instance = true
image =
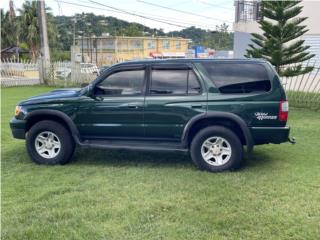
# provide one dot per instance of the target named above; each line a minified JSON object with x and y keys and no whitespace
{"x":18,"y":111}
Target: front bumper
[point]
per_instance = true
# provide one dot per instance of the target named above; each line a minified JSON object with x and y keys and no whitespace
{"x":262,"y":135}
{"x":18,"y":128}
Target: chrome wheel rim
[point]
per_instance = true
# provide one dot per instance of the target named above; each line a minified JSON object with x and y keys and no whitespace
{"x":47,"y":144}
{"x":216,"y":151}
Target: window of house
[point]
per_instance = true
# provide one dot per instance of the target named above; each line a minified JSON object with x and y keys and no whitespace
{"x":174,"y":82}
{"x":151,"y":44}
{"x":136,"y":44}
{"x":178,"y":45}
{"x":107,"y":43}
{"x":165,"y":44}
{"x":122,"y":83}
{"x":238,"y":77}
{"x":248,"y":11}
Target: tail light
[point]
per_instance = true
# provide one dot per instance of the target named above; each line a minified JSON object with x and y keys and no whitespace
{"x":283,"y":111}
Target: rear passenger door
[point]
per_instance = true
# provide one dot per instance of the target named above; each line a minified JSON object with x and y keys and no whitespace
{"x":175,"y":94}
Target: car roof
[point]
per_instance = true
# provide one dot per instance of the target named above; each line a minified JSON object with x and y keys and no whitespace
{"x":193,"y":60}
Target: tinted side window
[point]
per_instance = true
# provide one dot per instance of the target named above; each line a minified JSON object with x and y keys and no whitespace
{"x":238,"y":78}
{"x":174,"y":82}
{"x":169,"y":82}
{"x":122,"y":83}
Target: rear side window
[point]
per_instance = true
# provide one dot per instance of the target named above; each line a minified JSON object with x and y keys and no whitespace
{"x":174,"y":82}
{"x":238,"y":78}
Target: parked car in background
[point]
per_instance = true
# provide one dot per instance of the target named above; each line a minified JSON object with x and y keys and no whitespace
{"x":209,"y":108}
{"x":63,"y":72}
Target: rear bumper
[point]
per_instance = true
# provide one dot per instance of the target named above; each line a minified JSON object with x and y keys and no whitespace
{"x":262,"y":135}
{"x":18,"y":128}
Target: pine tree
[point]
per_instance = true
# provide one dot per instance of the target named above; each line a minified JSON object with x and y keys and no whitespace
{"x":278,"y":44}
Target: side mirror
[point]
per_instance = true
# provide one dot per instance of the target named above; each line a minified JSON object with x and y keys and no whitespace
{"x":90,"y":93}
{"x":90,"y":90}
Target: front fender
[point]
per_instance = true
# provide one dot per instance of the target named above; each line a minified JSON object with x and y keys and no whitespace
{"x":57,"y":114}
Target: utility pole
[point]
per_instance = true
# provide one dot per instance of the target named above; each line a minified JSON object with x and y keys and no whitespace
{"x":13,"y":22}
{"x":44,"y":51}
{"x":74,"y":31}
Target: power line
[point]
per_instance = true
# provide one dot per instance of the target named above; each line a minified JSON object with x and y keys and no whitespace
{"x":59,"y":6}
{"x":181,"y":11}
{"x":138,"y":15}
{"x":82,"y":5}
{"x":155,"y":18}
{"x":143,"y":16}
{"x":215,"y":5}
{"x":116,"y":10}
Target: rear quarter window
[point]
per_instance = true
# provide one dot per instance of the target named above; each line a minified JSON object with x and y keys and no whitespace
{"x":238,"y":77}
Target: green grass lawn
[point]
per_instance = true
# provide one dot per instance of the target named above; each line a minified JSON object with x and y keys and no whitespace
{"x":131,"y":195}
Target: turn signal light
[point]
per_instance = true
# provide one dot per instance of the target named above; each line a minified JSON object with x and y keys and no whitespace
{"x":18,"y":110}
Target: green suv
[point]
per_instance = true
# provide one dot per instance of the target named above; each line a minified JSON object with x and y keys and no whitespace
{"x":210,"y":108}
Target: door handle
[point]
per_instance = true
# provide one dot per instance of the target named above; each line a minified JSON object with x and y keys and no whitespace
{"x":131,"y":105}
{"x":196,"y":106}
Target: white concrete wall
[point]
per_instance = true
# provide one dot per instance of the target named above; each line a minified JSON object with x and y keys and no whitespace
{"x":311,"y":9}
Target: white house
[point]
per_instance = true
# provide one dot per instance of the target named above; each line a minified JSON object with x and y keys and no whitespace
{"x":247,"y":13}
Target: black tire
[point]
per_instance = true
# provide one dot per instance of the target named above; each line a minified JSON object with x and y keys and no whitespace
{"x":235,"y":159}
{"x":64,"y":136}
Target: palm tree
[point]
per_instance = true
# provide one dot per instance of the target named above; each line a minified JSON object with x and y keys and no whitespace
{"x":29,"y":27}
{"x":8,"y":30}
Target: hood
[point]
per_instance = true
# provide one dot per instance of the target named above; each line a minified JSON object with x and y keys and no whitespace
{"x":55,"y":95}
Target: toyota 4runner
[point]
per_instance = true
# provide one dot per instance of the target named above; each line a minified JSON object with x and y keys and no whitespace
{"x":210,"y":108}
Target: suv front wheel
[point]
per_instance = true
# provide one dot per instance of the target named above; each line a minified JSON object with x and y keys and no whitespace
{"x":49,"y":142}
{"x":216,"y":149}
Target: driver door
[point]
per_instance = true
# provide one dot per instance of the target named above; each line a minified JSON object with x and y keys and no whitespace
{"x":117,"y":111}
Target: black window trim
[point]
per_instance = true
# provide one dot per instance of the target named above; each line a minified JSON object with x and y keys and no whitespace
{"x":122,"y":69}
{"x":172,"y":66}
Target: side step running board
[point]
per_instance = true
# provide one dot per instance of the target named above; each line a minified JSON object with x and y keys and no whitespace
{"x":134,"y":145}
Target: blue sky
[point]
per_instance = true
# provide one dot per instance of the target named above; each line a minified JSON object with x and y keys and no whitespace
{"x":206,"y":13}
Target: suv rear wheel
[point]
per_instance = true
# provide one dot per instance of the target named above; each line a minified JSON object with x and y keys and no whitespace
{"x":49,"y":142}
{"x":216,"y":149}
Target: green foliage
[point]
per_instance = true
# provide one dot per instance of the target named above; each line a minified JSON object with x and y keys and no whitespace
{"x":220,"y":39}
{"x":9,"y":34}
{"x":278,"y":42}
{"x":29,"y":30}
{"x":59,"y":55}
{"x":132,"y":195}
{"x":23,"y":29}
